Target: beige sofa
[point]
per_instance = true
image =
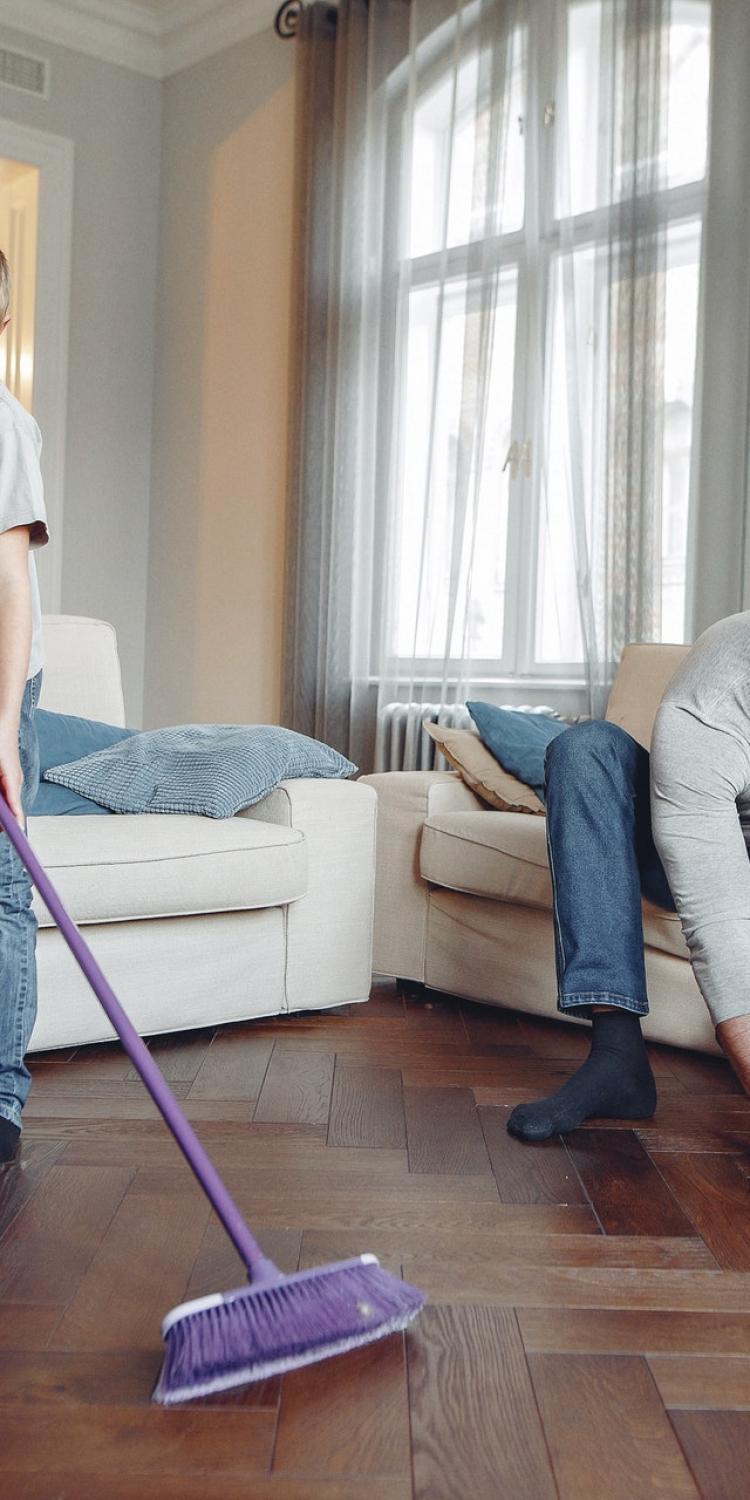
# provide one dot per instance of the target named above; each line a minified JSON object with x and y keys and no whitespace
{"x":463,"y":893}
{"x":198,"y":920}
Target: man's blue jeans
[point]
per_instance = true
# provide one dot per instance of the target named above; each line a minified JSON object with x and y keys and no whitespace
{"x":18,"y":927}
{"x":602,"y":858}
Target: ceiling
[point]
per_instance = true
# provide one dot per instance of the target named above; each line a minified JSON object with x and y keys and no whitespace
{"x":157,"y":37}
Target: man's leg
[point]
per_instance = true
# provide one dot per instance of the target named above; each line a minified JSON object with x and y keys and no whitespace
{"x":602,"y":859}
{"x":699,"y":770}
{"x":18,"y":928}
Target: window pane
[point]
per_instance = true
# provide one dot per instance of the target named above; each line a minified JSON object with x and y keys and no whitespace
{"x":689,"y":66}
{"x":460,"y":176}
{"x":430,"y":493}
{"x":558,"y":631}
{"x":584,"y":158}
{"x":558,"y":634}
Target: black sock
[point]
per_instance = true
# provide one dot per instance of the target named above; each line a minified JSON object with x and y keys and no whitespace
{"x":9,"y":1136}
{"x":615,"y":1082}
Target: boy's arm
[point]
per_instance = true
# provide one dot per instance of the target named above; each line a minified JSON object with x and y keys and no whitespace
{"x":15,"y":649}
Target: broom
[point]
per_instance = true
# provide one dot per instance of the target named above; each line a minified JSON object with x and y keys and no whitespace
{"x":277,"y":1322}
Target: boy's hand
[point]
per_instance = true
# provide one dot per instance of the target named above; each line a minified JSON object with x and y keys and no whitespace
{"x":11,"y":773}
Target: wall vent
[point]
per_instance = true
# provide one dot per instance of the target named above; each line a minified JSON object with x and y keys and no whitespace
{"x":18,"y":70}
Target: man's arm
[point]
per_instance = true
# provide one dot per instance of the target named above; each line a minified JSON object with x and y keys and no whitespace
{"x":15,"y":650}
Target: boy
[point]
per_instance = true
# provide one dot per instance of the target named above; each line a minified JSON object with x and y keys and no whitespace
{"x":23,"y":526}
{"x":673,"y":826}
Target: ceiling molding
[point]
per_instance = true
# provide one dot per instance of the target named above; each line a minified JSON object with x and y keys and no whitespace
{"x":156,"y":43}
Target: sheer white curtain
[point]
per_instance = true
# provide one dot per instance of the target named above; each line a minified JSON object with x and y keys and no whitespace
{"x":493,"y":194}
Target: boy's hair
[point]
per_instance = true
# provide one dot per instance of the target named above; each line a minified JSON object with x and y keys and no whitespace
{"x":4,"y":286}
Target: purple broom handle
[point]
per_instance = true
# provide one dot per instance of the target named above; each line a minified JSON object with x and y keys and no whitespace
{"x":258,"y":1264}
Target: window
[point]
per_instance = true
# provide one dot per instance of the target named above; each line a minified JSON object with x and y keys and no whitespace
{"x":514,"y":582}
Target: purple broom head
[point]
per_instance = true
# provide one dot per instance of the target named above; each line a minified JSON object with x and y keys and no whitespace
{"x":233,"y":1338}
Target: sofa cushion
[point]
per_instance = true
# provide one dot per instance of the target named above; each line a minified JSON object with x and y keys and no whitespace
{"x":517,"y":739}
{"x":465,"y":749}
{"x":149,"y":865}
{"x":642,"y":676}
{"x":503,"y":857}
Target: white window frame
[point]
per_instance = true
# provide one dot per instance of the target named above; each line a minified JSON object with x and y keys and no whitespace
{"x":532,"y":250}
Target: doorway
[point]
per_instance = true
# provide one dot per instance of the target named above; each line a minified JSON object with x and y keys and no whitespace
{"x":19,"y":228}
{"x":36,"y":216}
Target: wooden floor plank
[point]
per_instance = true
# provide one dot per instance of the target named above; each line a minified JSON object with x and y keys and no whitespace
{"x":348,"y":1416}
{"x":324,"y":1247}
{"x":20,"y":1178}
{"x":27,"y":1326}
{"x":218,"y":1268}
{"x":367,"y":1107}
{"x":702,"y":1381}
{"x":700,"y":1074}
{"x":104,"y":1440}
{"x":297,"y":1086}
{"x":234,"y":1065}
{"x":543,"y":1173}
{"x":444,"y":1133}
{"x":717,"y":1447}
{"x":716,"y":1196}
{"x":486,"y":1025}
{"x":695,"y":1139}
{"x":602,"y":1416}
{"x":475,"y":1424}
{"x":67,"y":1484}
{"x":468,"y":1246}
{"x":179,"y":1054}
{"x":622,"y":1331}
{"x":628,"y":1194}
{"x":50,"y":1243}
{"x":139,"y":1272}
{"x":592,"y":1287}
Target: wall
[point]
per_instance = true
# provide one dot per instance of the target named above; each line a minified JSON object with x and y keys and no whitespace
{"x":112,"y":115}
{"x":216,"y":552}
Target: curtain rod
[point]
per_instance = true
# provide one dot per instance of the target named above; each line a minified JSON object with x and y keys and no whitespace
{"x":289,"y":15}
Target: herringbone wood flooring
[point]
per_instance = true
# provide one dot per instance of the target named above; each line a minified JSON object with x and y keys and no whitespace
{"x":587,"y":1334}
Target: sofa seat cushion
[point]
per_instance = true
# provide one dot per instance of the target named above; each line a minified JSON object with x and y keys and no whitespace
{"x":137,"y":865}
{"x":504,"y":857}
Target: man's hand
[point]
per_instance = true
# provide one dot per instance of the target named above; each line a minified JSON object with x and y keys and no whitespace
{"x":11,"y":773}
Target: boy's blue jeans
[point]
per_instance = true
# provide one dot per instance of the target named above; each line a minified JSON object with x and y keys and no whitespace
{"x":602,"y":858}
{"x":18,"y":927}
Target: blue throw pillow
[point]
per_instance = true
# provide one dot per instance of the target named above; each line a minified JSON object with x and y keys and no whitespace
{"x":65,"y":737}
{"x":212,"y":769}
{"x":517,"y":740}
{"x":59,"y":801}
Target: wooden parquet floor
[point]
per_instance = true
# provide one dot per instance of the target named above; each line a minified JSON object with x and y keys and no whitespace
{"x":587,"y":1334}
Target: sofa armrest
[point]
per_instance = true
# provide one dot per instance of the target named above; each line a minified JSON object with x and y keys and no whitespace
{"x":329,"y":930}
{"x":405,"y":799}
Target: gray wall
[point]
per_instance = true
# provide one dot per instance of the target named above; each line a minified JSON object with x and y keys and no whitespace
{"x":112,"y":115}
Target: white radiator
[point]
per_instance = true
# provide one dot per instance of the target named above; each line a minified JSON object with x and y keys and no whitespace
{"x":402,"y":744}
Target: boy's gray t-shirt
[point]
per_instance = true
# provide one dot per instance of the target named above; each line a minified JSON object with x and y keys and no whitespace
{"x":22,"y":498}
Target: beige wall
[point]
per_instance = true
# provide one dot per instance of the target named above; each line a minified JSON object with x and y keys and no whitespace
{"x":217,"y":532}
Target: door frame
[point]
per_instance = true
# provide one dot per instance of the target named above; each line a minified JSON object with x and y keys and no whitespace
{"x":54,"y":156}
